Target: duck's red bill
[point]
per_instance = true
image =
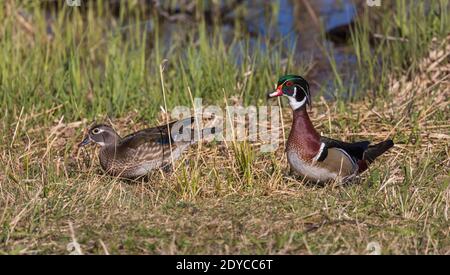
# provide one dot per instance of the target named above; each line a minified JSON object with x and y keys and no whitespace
{"x":277,"y":92}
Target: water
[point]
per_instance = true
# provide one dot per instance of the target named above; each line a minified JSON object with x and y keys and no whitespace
{"x":296,"y":25}
{"x":292,"y":22}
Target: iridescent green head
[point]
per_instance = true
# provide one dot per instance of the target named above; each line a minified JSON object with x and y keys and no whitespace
{"x":296,"y":88}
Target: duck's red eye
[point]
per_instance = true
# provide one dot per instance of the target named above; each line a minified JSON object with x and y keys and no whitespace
{"x":288,"y":84}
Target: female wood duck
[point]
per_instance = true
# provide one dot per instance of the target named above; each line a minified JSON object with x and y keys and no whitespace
{"x":137,"y":154}
{"x":318,"y":158}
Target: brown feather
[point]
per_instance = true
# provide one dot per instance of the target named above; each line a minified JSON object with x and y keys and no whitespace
{"x":303,"y":138}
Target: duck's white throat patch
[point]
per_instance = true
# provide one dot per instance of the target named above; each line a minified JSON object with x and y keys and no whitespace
{"x":293,"y":101}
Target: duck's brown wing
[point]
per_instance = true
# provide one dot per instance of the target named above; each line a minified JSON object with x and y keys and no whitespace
{"x":158,"y":135}
{"x":154,"y":143}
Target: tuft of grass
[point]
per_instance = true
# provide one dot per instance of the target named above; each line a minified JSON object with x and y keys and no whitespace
{"x":245,"y":157}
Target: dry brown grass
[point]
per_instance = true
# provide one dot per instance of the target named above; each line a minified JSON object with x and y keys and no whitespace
{"x":207,"y":206}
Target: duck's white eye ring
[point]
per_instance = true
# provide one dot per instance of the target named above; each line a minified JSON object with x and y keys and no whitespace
{"x":96,"y":131}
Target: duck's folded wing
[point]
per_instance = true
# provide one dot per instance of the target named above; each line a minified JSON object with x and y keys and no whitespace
{"x":158,"y":135}
{"x":148,"y":145}
{"x":153,"y":135}
{"x":354,"y":150}
{"x":157,"y":142}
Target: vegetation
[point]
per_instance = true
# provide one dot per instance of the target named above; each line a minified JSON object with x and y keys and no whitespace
{"x":58,"y":75}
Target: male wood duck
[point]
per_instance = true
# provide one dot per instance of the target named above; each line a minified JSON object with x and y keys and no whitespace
{"x":318,"y":158}
{"x":139,"y":153}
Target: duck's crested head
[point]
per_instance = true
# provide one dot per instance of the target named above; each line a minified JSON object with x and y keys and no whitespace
{"x":102,"y":135}
{"x":296,"y":88}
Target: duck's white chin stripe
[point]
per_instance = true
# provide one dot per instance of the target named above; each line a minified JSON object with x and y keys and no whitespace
{"x":295,"y":104}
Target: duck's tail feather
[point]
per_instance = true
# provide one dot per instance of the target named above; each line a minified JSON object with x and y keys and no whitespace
{"x":376,"y":150}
